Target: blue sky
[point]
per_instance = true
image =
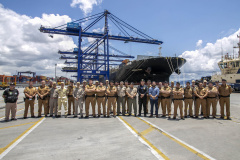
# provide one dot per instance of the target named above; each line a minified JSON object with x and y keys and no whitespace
{"x":179,"y":24}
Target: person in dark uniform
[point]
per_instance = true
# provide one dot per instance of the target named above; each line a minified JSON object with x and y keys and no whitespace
{"x":10,"y":96}
{"x":142,"y":99}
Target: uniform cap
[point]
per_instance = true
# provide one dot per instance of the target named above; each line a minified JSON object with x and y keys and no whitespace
{"x":54,"y":83}
{"x":193,"y":81}
{"x":205,"y":81}
{"x":216,"y":81}
{"x":62,"y":82}
{"x":84,"y":81}
{"x":177,"y":83}
{"x":210,"y":82}
{"x":131,"y":83}
{"x":97,"y":82}
{"x":12,"y":84}
{"x":112,"y":81}
{"x":166,"y":82}
{"x":142,"y":80}
{"x":71,"y":81}
{"x":78,"y":82}
{"x":172,"y":81}
{"x":107,"y":80}
{"x":224,"y":80}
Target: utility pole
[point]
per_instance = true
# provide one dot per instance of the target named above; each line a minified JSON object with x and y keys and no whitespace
{"x":55,"y":72}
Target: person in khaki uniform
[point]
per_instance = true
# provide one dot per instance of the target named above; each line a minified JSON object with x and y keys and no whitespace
{"x":30,"y":93}
{"x":100,"y":95}
{"x":90,"y":91}
{"x":70,"y":89}
{"x":53,"y":101}
{"x":79,"y":98}
{"x":126,"y":97}
{"x":188,"y":100}
{"x":201,"y":94}
{"x":131,"y":93}
{"x":48,"y":96}
{"x":212,"y":99}
{"x":172,"y":86}
{"x":149,"y":85}
{"x":43,"y":91}
{"x":62,"y":100}
{"x":178,"y":100}
{"x":159,"y":96}
{"x":121,"y":92}
{"x":166,"y":99}
{"x":224,"y":92}
{"x":112,"y":97}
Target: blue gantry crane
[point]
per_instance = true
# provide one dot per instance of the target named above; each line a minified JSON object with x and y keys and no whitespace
{"x":92,"y":61}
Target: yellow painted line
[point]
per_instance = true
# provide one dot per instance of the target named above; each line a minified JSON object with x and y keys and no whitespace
{"x":17,"y":125}
{"x":17,"y":140}
{"x":149,"y":143}
{"x":177,"y":141}
{"x":150,"y":129}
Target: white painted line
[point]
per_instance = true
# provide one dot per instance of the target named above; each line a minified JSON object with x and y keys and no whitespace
{"x":141,"y":140}
{"x":20,"y":139}
{"x":209,"y":157}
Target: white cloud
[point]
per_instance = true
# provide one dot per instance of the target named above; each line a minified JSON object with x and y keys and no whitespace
{"x":203,"y":61}
{"x":86,"y":5}
{"x":199,"y":43}
{"x":23,"y":47}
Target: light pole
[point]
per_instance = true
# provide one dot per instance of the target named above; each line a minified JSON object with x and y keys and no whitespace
{"x":55,"y":72}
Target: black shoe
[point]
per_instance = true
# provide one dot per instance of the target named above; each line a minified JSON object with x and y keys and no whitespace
{"x":185,"y":116}
{"x":145,"y":115}
{"x":50,"y":115}
{"x":191,"y":116}
{"x":151,"y":115}
{"x":123,"y":115}
{"x":39,"y":116}
{"x":196,"y":116}
{"x":213,"y":117}
{"x":13,"y":119}
{"x":74,"y":116}
{"x":222,"y":117}
{"x":58,"y":116}
{"x":208,"y":117}
{"x":24,"y":117}
{"x":66,"y":116}
{"x":163,"y":116}
{"x":129,"y":114}
{"x":117,"y":114}
{"x":86,"y":117}
{"x":69,"y":114}
{"x":156,"y":116}
{"x":135,"y":115}
{"x":139,"y":115}
{"x":45,"y":115}
{"x":114,"y":116}
{"x":98,"y":116}
{"x":81,"y":116}
{"x":228,"y":118}
{"x":108,"y":116}
{"x":94,"y":116}
{"x":104,"y":116}
{"x":174,"y":117}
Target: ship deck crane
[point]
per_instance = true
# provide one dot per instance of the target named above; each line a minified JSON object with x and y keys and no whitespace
{"x":86,"y":58}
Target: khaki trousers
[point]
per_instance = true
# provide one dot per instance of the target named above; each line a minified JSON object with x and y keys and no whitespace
{"x":166,"y":103}
{"x":132,"y":103}
{"x":71,"y":101}
{"x":223,"y":101}
{"x":10,"y":107}
{"x":62,"y":101}
{"x":148,"y":100}
{"x":27,"y":104}
{"x":121,"y":101}
{"x":79,"y":104}
{"x":126,"y":102}
{"x":201,"y":102}
{"x":53,"y":102}
{"x":101,"y":102}
{"x":178,"y":103}
{"x":111,"y":102}
{"x":211,"y":102}
{"x":87,"y":103}
{"x":40,"y":104}
{"x":159,"y":102}
{"x":188,"y":103}
{"x":48,"y":105}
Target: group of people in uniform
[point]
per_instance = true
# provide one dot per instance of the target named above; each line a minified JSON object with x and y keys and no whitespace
{"x":121,"y":98}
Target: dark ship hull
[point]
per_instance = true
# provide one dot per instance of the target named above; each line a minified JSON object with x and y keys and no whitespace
{"x":158,"y":69}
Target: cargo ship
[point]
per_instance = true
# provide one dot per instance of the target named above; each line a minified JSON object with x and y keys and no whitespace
{"x":155,"y":68}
